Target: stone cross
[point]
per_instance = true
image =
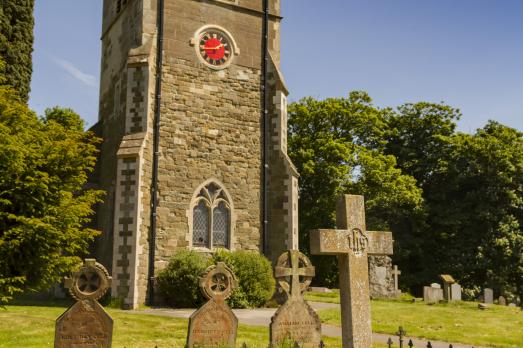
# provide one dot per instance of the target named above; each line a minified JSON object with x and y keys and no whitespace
{"x":352,"y":243}
{"x":295,"y":322}
{"x":86,"y":324}
{"x":396,"y":273}
{"x":214,"y":324}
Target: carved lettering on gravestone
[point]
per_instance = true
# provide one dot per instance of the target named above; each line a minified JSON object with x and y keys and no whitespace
{"x":353,"y":265}
{"x":214,"y":324}
{"x":295,"y":322}
{"x":86,"y":324}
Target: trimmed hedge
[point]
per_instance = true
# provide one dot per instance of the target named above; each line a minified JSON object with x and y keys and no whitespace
{"x":179,"y":281}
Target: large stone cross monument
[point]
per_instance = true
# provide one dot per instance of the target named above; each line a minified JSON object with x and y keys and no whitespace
{"x":352,"y":243}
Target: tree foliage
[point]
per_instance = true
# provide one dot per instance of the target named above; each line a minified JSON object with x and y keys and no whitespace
{"x":452,"y":200}
{"x":16,"y":43}
{"x":44,"y":163}
{"x":337,"y":146}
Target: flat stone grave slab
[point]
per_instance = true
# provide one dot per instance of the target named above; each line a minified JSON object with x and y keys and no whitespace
{"x":214,"y":324}
{"x":86,"y":324}
{"x":295,"y":322}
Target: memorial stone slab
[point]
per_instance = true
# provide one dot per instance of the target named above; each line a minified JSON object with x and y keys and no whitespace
{"x":86,"y":324}
{"x":512,"y":305}
{"x":448,"y":280}
{"x":488,"y":296}
{"x":455,"y":292}
{"x":352,"y":243}
{"x":432,"y":295}
{"x":502,"y":301}
{"x":295,"y":322}
{"x":214,"y":324}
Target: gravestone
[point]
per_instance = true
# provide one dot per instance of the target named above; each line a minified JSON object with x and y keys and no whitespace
{"x":512,"y":305}
{"x":455,"y":292}
{"x":214,"y":324}
{"x":86,"y":324}
{"x":381,"y":280}
{"x":435,"y":286}
{"x":502,"y":301}
{"x":432,"y":295}
{"x":352,"y":243}
{"x":295,"y":322}
{"x":488,"y":296}
{"x":448,"y":280}
{"x":396,"y":273}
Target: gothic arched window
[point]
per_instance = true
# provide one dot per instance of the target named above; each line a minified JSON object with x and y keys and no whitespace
{"x":211,"y":218}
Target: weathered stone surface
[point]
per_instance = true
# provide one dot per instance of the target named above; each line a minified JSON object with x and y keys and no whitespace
{"x":352,"y":244}
{"x":396,"y":273}
{"x":512,"y":305}
{"x":502,"y":301}
{"x":214,"y":324}
{"x":455,"y":292}
{"x":435,"y":286}
{"x":211,"y":129}
{"x":381,"y":279}
{"x":295,"y":322}
{"x":432,"y":295}
{"x":85,"y":325}
{"x":488,"y":296}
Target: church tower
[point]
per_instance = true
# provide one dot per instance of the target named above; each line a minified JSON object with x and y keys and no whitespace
{"x":193,"y":116}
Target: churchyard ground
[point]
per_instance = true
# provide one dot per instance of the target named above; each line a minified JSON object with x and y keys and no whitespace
{"x":460,"y":322}
{"x":33,"y":327}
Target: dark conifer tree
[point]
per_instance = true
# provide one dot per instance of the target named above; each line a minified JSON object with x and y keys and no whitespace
{"x":16,"y":43}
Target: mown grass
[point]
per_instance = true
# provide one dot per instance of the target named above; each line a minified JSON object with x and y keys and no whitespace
{"x":33,"y":327}
{"x":459,"y":322}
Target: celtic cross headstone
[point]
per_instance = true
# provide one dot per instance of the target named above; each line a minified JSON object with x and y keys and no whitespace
{"x":352,"y":243}
{"x":86,"y":324}
{"x":295,"y":322}
{"x":214,"y":324}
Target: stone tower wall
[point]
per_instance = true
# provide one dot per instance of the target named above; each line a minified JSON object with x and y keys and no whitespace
{"x":211,"y":130}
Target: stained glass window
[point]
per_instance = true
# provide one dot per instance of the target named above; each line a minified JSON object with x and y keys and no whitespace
{"x":201,"y":225}
{"x":220,"y":225}
{"x":211,"y":218}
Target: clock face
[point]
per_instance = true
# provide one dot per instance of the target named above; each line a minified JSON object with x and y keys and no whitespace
{"x":215,"y":48}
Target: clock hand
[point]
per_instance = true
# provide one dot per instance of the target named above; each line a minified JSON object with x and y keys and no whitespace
{"x":211,"y":48}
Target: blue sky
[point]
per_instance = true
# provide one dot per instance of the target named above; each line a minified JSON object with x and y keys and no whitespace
{"x":467,"y":53}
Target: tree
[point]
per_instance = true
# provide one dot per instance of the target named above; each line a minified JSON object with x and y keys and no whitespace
{"x":16,"y":43}
{"x":476,"y":209}
{"x":337,"y":146}
{"x":44,"y":163}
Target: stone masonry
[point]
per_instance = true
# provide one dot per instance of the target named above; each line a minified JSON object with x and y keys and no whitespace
{"x":211,"y":135}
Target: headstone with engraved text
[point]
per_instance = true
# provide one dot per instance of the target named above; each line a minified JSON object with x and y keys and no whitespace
{"x":86,"y":324}
{"x":295,"y":322}
{"x":214,"y":324}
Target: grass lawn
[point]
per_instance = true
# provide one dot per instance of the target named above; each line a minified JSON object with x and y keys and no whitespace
{"x":456,"y":322}
{"x":33,"y":327}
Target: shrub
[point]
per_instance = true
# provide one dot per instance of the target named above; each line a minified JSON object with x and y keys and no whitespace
{"x":255,"y":278}
{"x":179,"y":281}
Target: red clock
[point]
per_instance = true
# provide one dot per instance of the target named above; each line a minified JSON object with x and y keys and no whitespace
{"x":215,"y":48}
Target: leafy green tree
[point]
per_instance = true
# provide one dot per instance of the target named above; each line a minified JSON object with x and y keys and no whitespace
{"x":44,"y":163}
{"x":16,"y":43}
{"x":476,"y":208}
{"x":337,"y":145}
